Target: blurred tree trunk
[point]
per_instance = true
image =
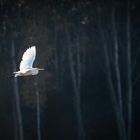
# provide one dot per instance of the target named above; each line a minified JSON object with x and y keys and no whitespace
{"x":15,"y":124}
{"x":117,"y":112}
{"x":129,"y":74}
{"x":34,"y":28}
{"x":78,"y":62}
{"x":76,"y":84}
{"x":13,"y":105}
{"x":58,"y":58}
{"x":56,"y":53}
{"x":117,"y":72}
{"x":84,"y":51}
{"x":37,"y":110}
{"x":17,"y":98}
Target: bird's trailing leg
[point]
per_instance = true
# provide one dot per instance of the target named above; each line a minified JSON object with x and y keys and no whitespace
{"x":17,"y":74}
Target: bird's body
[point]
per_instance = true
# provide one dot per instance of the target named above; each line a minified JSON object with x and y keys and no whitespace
{"x":27,"y":62}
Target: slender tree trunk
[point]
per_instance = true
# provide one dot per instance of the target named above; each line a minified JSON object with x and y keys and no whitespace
{"x":81,"y":132}
{"x":116,"y":54}
{"x":37,"y":110}
{"x":78,"y":63}
{"x":117,"y":71}
{"x":84,"y":50}
{"x":17,"y":98}
{"x":56,"y":55}
{"x":36,"y":88}
{"x":15,"y":123}
{"x":129,"y":74}
{"x":62,"y":68}
{"x":117,"y":113}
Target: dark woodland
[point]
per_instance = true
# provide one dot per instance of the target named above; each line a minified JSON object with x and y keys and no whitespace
{"x":91,"y":54}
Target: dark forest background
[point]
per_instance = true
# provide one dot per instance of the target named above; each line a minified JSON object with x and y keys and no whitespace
{"x":91,"y":54}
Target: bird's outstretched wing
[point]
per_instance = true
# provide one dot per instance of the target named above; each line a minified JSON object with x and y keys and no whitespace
{"x":28,"y":58}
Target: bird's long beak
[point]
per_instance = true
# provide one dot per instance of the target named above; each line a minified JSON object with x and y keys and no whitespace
{"x":41,"y":69}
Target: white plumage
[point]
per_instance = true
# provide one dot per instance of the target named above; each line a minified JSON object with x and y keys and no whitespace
{"x":28,"y":58}
{"x":27,"y":63}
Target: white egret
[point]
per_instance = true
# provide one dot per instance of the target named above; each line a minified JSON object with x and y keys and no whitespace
{"x":26,"y":68}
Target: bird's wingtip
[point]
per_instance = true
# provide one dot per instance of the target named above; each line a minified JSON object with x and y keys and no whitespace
{"x":33,"y":47}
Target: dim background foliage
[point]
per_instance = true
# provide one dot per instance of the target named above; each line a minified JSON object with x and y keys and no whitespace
{"x":44,"y":23}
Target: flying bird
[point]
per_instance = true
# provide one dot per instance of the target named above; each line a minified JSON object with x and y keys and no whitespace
{"x":26,"y":64}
